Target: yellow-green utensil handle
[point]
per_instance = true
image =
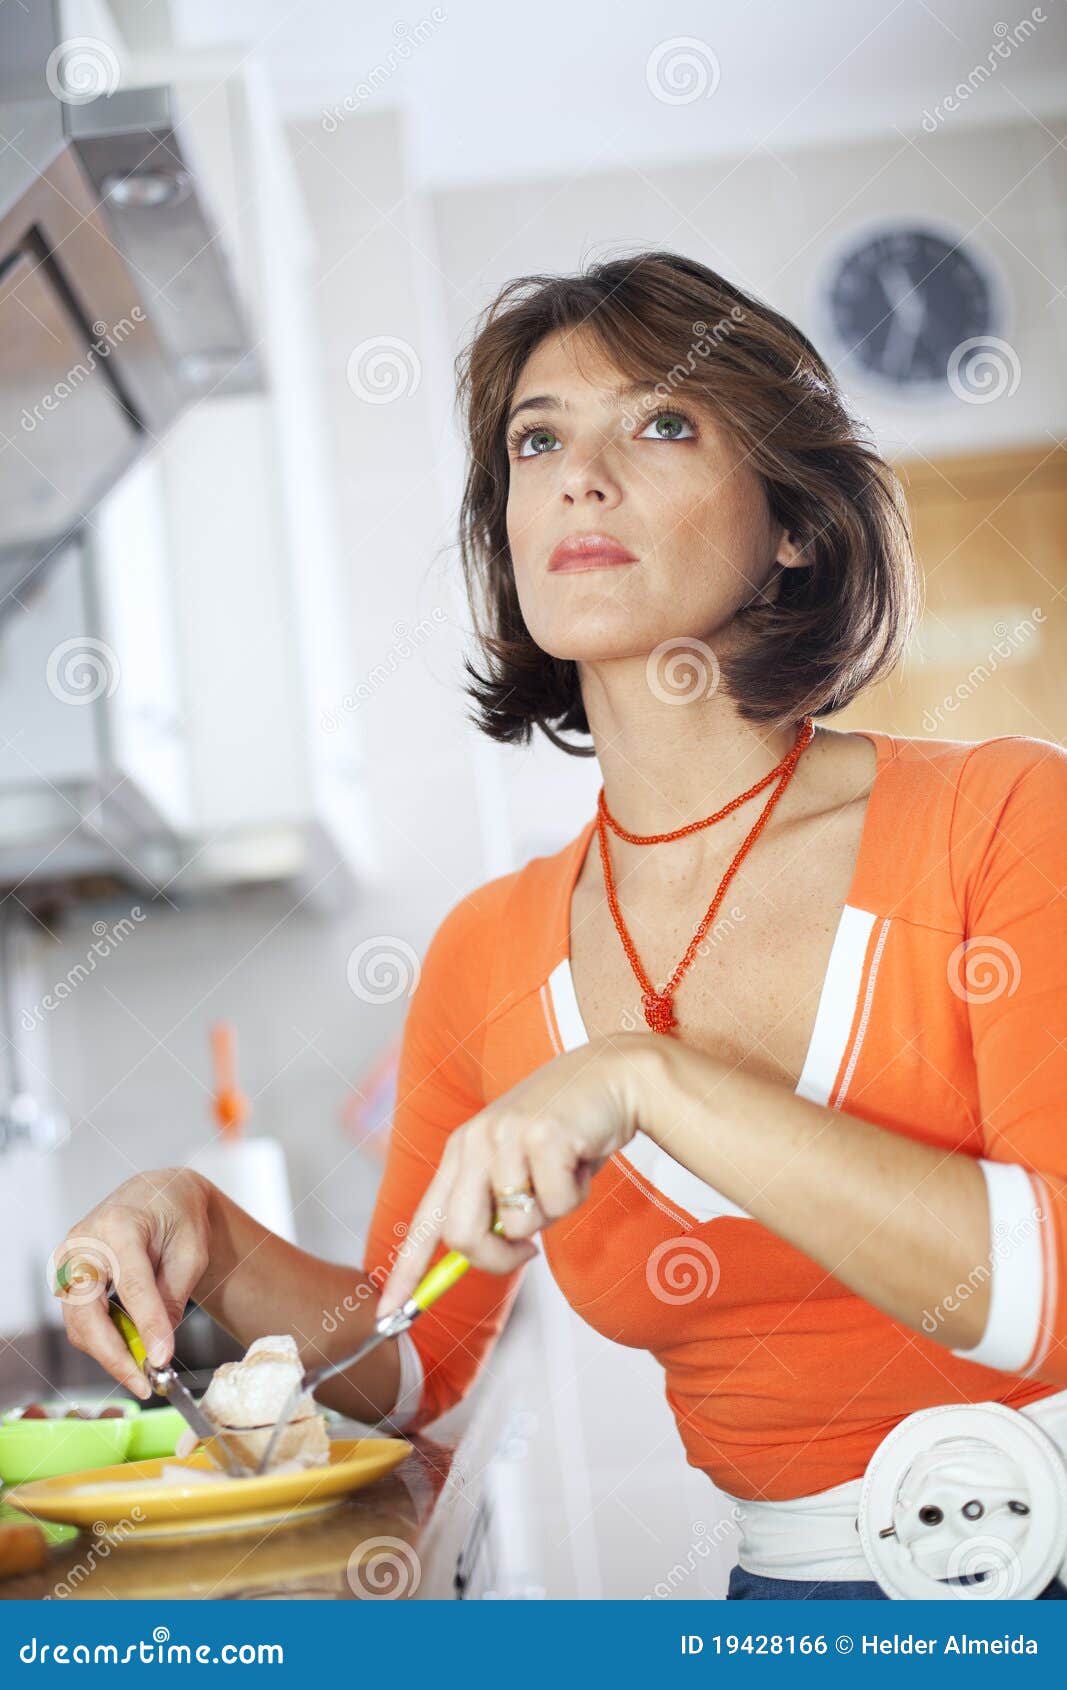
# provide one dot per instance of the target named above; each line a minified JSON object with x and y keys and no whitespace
{"x":441,"y":1277}
{"x":444,"y":1274}
{"x":128,"y":1333}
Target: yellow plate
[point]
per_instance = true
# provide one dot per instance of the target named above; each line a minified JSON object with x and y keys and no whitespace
{"x":122,"y":1502}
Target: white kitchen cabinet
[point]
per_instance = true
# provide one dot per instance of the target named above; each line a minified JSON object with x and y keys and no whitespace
{"x":201,"y":630}
{"x":93,"y":771}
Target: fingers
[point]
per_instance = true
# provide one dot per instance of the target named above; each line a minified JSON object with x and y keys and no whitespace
{"x":471,"y":1210}
{"x":89,"y":1328}
{"x":555,"y":1172}
{"x":139,"y":1296}
{"x":420,"y":1243}
{"x":457,"y":1209}
{"x":510,"y":1172}
{"x":179,"y":1270}
{"x":118,"y":1238}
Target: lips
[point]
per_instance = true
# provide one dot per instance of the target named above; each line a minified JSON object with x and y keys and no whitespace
{"x":589,"y":551}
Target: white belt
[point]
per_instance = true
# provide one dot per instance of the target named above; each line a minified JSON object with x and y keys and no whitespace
{"x":949,"y":1492}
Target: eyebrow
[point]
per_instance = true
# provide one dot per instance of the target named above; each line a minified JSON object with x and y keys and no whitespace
{"x":552,"y":401}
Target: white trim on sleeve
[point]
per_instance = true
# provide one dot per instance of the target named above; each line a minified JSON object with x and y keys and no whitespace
{"x":1017,"y":1282}
{"x":409,"y":1395}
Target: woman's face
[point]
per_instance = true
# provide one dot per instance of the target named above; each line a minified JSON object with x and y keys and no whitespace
{"x":658,"y":480}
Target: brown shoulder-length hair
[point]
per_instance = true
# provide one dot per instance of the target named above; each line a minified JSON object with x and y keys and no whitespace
{"x":821,"y":632}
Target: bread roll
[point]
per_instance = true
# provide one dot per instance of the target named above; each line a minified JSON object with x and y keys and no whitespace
{"x":246,"y":1397}
{"x":303,"y":1440}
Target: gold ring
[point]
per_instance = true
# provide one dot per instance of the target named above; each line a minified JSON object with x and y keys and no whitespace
{"x":518,"y":1197}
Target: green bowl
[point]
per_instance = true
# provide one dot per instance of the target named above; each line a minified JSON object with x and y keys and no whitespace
{"x":42,"y":1449}
{"x":155,"y":1433}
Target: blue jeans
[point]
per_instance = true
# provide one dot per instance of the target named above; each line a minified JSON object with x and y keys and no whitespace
{"x":753,"y":1587}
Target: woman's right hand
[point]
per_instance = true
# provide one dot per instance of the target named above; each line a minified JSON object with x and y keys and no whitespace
{"x":151,"y":1240}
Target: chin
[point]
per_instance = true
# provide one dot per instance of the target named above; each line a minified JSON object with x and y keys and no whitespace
{"x":593,"y":639}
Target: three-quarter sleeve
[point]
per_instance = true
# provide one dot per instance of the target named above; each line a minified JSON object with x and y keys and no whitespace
{"x":1009,"y":853}
{"x":439,"y":1087}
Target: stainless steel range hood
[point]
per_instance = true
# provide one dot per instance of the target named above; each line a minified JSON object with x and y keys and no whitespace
{"x":116,"y":304}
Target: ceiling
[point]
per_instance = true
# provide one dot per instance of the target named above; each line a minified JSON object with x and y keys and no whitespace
{"x":497,"y":92}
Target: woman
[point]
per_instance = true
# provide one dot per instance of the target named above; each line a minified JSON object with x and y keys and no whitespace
{"x":772,"y":1054}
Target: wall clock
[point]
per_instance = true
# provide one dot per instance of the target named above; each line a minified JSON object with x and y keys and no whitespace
{"x":901,"y":299}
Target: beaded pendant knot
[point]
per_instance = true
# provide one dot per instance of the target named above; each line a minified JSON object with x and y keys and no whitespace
{"x":659,"y":1011}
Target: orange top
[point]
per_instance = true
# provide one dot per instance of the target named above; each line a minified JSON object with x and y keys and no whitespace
{"x":781,"y":1379}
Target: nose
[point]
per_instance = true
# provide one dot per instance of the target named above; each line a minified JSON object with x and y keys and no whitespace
{"x":588,"y":480}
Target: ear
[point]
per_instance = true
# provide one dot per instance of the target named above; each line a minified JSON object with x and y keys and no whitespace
{"x":791,"y":553}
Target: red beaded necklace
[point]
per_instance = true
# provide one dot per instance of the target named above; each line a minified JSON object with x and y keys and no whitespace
{"x":658,"y":1006}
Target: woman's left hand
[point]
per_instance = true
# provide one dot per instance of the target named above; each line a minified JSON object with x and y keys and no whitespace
{"x":548,"y":1135}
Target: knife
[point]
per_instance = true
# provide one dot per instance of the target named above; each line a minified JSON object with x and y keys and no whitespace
{"x":440,"y":1278}
{"x":165,"y":1381}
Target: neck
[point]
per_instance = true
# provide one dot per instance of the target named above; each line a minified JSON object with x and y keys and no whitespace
{"x":667,"y":762}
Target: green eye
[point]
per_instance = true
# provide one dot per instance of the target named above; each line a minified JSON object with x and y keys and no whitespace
{"x":536,"y":442}
{"x":668,"y":425}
